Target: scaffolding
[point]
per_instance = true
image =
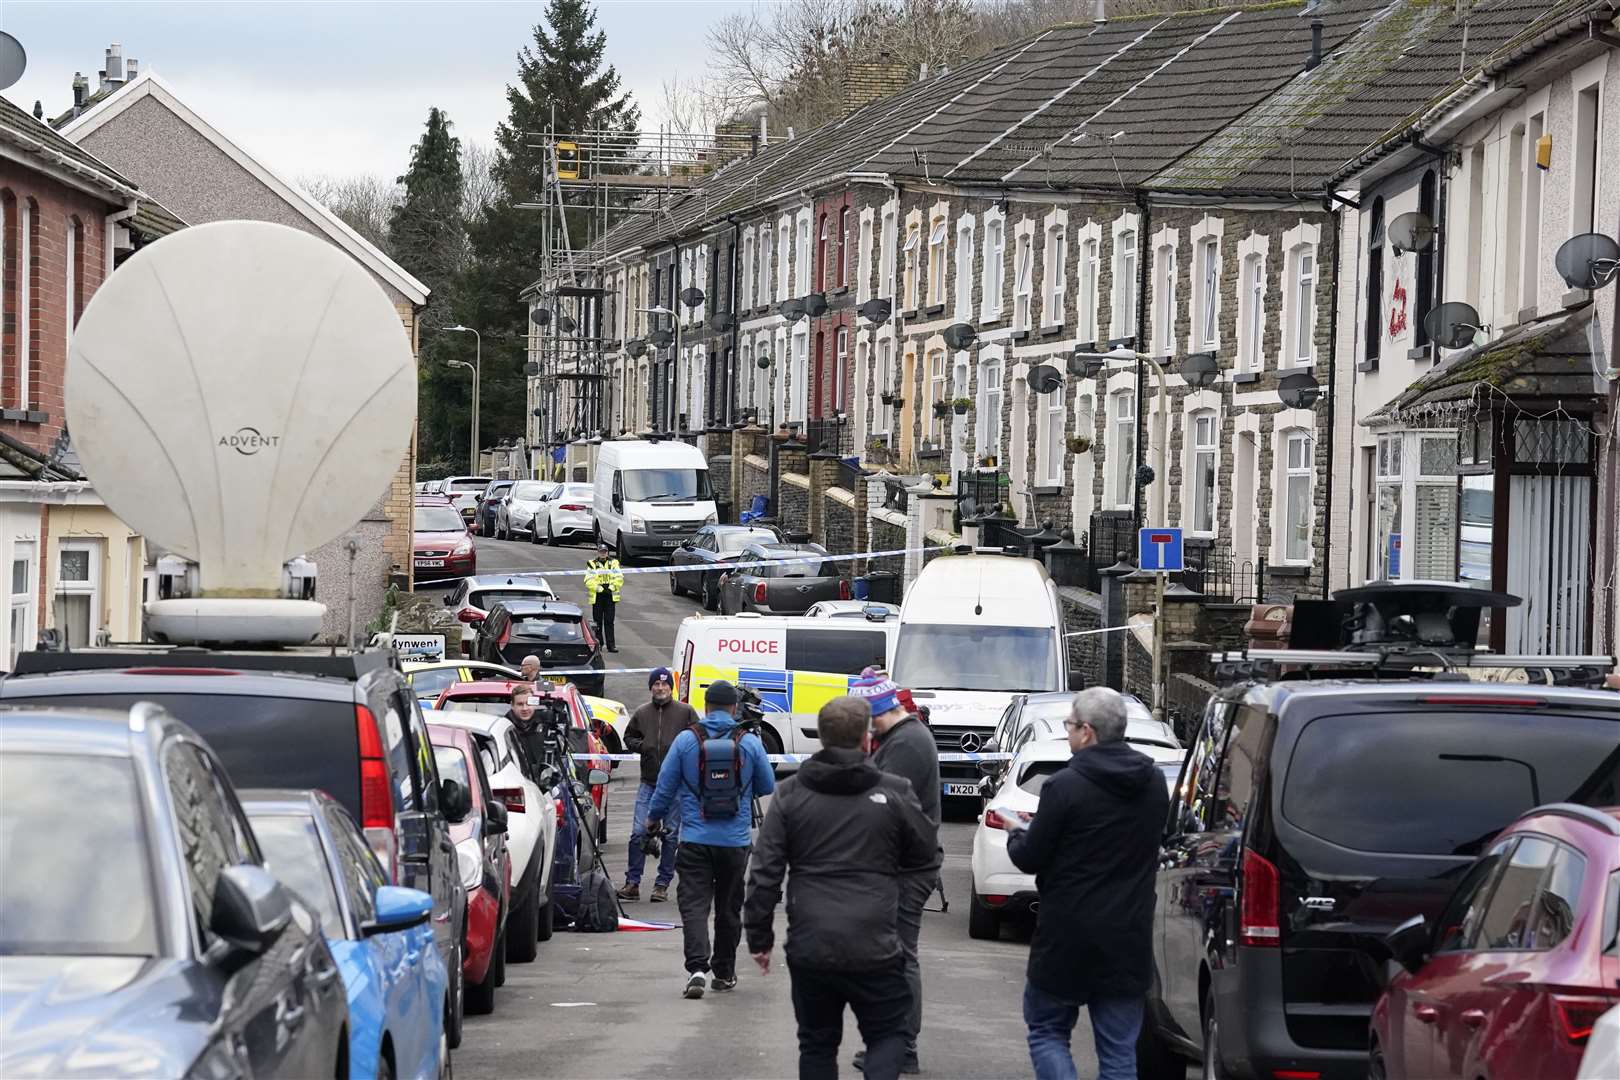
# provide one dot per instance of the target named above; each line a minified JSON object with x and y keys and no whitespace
{"x":594,"y":179}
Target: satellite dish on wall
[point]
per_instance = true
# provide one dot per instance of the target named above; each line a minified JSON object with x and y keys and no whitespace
{"x":540,"y":316}
{"x":13,"y":60}
{"x":960,"y":335}
{"x":876,"y":310}
{"x":1299,"y":390}
{"x":1452,"y":325}
{"x":1587,"y":261}
{"x":1044,"y":378}
{"x":1411,"y":232}
{"x":236,"y":431}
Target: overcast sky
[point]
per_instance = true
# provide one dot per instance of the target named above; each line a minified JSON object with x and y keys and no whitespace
{"x":341,"y":87}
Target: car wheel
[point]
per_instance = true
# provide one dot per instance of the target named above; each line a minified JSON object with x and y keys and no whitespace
{"x":446,"y":1071}
{"x":1213,"y":1068}
{"x":984,"y":923}
{"x":711,"y":594}
{"x":1377,"y":1067}
{"x":548,"y":912}
{"x":534,"y":530}
{"x":674,"y":586}
{"x":522,"y":928}
{"x":624,"y":552}
{"x":497,"y":961}
{"x":1155,"y":1060}
{"x":481,"y":997}
{"x":385,"y":1068}
{"x":458,"y":1004}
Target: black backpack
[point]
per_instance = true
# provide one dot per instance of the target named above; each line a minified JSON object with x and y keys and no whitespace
{"x":720,"y":760}
{"x":598,"y":911}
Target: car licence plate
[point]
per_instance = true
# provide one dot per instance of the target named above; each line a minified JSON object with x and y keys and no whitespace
{"x":953,"y":787}
{"x":428,"y":564}
{"x":671,"y":543}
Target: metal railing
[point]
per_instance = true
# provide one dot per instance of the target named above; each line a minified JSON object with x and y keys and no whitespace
{"x":1221,"y":576}
{"x":828,"y":435}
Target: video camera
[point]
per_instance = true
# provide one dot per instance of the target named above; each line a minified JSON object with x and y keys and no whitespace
{"x":750,"y":708}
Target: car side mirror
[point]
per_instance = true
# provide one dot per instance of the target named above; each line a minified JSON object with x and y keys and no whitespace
{"x":447,"y":597}
{"x":597,"y":776}
{"x":618,"y":502}
{"x":251,"y":908}
{"x":1077,"y":682}
{"x":455,"y":799}
{"x":549,"y":777}
{"x":398,"y":909}
{"x":495,"y":817}
{"x":1408,"y":943}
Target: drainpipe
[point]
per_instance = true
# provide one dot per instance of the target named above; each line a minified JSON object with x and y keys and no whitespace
{"x":1142,"y":314}
{"x":111,"y":237}
{"x":732,"y":373}
{"x":1332,"y":397}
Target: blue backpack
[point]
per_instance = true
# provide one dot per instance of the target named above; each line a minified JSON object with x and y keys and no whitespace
{"x":720,"y":784}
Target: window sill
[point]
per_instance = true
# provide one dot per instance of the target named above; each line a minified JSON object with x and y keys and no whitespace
{"x":26,"y":416}
{"x":1047,"y":489}
{"x":1370,"y":364}
{"x":839,"y":291}
{"x":1126,"y":342}
{"x":1020,"y":335}
{"x":1244,"y":378}
{"x":912,"y":314}
{"x":1290,"y":369}
{"x":1053,"y":330}
{"x":988,"y":320}
{"x":1419,"y":353}
{"x":1291,"y":570}
{"x":934,"y":309}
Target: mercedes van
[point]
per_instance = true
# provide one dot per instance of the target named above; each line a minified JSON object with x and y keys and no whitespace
{"x":796,"y":665}
{"x":650,"y":496}
{"x":975,"y":630}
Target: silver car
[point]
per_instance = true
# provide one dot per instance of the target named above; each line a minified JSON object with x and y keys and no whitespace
{"x":515,"y":517}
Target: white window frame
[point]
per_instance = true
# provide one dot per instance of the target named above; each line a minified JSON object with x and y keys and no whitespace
{"x":842,"y":247}
{"x":1251,"y":350}
{"x":911,"y":260}
{"x":802,"y":262}
{"x":1127,"y":232}
{"x":840,"y":362}
{"x":90,"y":587}
{"x":767,"y":246}
{"x":1586,"y":170}
{"x":863,"y":258}
{"x":1049,"y":438}
{"x":1119,"y":488}
{"x":1202,"y":439}
{"x":883,"y":415}
{"x":745,"y":297}
{"x":1088,"y":245}
{"x":1164,"y":306}
{"x":70,"y":286}
{"x":1055,"y":268}
{"x":992,"y":391}
{"x":25,"y":602}
{"x":25,"y":266}
{"x":1298,"y":324}
{"x":889,"y":243}
{"x":1023,"y":276}
{"x":800,"y":376}
{"x":964,"y":268}
{"x":762,"y":377}
{"x":1289,"y":424}
{"x":784,"y":256}
{"x":939,"y":234}
{"x":863,"y":401}
{"x":1208,"y":239}
{"x":934,"y":361}
{"x":992,"y":280}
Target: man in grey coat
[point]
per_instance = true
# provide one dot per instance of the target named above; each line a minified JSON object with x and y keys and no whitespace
{"x":905,"y":747}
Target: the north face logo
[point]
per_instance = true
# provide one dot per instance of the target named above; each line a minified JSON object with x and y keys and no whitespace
{"x":878,"y":797}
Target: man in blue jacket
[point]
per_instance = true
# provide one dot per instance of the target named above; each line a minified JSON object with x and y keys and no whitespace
{"x":716,"y":778}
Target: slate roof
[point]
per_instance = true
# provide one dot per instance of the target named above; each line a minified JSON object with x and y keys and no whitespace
{"x":18,"y":126}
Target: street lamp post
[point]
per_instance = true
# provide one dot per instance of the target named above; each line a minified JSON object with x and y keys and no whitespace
{"x":477,"y":369}
{"x":1095,"y":362}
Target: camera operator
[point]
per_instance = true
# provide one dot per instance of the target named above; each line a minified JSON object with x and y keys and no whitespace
{"x":650,"y":733}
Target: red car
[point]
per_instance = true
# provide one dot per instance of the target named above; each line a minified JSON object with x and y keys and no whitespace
{"x":441,"y":545}
{"x":1523,"y":961}
{"x":486,"y":867}
{"x":495,"y":696}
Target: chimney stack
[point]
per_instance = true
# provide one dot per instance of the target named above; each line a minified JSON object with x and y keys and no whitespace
{"x":81,"y":90}
{"x":764,"y":129}
{"x":114,"y":75}
{"x":131,"y":69}
{"x":1099,"y":12}
{"x":1315,"y":60}
{"x":39,"y":109}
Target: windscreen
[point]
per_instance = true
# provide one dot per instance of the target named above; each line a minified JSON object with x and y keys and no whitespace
{"x":530,"y":490}
{"x":655,"y":485}
{"x":547,"y":628}
{"x":438,"y":519}
{"x":293,"y":852}
{"x":76,"y":880}
{"x":266,"y":742}
{"x":578,"y":493}
{"x":488,"y":598}
{"x":474,"y":483}
{"x":1033,"y":777}
{"x":732,"y":542}
{"x":1432,"y":783}
{"x":992,"y":658}
{"x":488,"y":708}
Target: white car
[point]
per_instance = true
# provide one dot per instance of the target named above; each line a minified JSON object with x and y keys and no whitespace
{"x":463,"y":492}
{"x":1000,"y":889}
{"x":473,"y":596}
{"x":566,"y":514}
{"x":531,"y":812}
{"x":870,"y":610}
{"x":515,"y":517}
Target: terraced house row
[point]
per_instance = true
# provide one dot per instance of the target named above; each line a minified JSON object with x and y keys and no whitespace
{"x":1245,"y":199}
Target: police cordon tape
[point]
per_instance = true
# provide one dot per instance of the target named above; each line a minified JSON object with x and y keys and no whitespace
{"x":734,"y":565}
{"x":795,"y":759}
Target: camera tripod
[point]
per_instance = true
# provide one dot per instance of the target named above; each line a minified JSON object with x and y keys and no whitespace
{"x":560,"y":753}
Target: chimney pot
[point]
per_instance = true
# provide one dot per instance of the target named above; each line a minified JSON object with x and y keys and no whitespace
{"x":1316,"y":46}
{"x":81,"y":89}
{"x":39,"y":109}
{"x":115,"y":63}
{"x":131,"y":69}
{"x":1099,"y":11}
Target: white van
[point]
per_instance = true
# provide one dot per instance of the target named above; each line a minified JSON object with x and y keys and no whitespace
{"x":649,"y":496}
{"x":974,"y":631}
{"x":796,"y":665}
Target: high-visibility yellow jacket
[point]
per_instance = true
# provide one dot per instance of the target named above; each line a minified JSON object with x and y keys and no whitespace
{"x":602,"y":574}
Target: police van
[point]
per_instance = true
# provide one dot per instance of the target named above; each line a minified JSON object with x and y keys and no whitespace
{"x":795,"y":664}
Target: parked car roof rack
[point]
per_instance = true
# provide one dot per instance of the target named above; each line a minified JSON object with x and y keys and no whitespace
{"x":1603,"y":821}
{"x":309,"y":660}
{"x":1265,"y":664}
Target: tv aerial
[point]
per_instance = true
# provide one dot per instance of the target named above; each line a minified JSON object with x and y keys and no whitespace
{"x":234,"y":432}
{"x":1453,"y":325}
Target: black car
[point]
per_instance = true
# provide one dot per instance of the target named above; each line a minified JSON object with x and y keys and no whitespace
{"x":489,"y":503}
{"x":346,"y":724}
{"x":795,"y":580}
{"x":140,"y":934}
{"x":711,"y":544}
{"x":1316,"y":813}
{"x":559,"y":634}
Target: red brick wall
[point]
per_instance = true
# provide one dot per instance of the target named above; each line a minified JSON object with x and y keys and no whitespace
{"x":51,"y":207}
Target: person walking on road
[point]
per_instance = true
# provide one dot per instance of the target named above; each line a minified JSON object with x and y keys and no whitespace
{"x":906,"y":748}
{"x":652,"y":729}
{"x":716,"y":771}
{"x":847,"y":837}
{"x":604,"y":581}
{"x":1093,"y":847}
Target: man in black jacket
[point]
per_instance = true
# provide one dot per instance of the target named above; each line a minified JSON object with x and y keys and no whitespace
{"x":1094,"y":850}
{"x":905,"y":747}
{"x":850,"y":834}
{"x":650,"y":733}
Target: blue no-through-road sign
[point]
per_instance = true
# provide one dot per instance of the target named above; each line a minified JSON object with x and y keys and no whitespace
{"x":1159,"y":549}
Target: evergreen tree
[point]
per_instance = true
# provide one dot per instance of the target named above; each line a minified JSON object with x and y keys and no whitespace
{"x":563,"y":81}
{"x":428,"y":237}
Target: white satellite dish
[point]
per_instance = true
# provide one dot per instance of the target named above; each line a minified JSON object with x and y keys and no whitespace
{"x":240,"y":393}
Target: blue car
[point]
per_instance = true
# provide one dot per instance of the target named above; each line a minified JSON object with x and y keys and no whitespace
{"x":380,"y":935}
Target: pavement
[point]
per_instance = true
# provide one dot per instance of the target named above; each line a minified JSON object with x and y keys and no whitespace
{"x":610,"y":1005}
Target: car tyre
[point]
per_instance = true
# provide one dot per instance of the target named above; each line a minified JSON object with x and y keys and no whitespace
{"x":446,"y":1069}
{"x":1377,"y":1067}
{"x":1155,"y":1060}
{"x":385,"y":1068}
{"x":548,"y":913}
{"x":523,"y":927}
{"x":711,"y":594}
{"x":481,"y":998}
{"x":674,"y":587}
{"x":458,"y":1004}
{"x":1213,"y":1068}
{"x":623,"y":552}
{"x":984,"y":924}
{"x":534,"y":529}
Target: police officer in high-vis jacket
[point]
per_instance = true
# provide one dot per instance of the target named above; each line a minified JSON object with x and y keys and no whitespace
{"x":604,"y":581}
